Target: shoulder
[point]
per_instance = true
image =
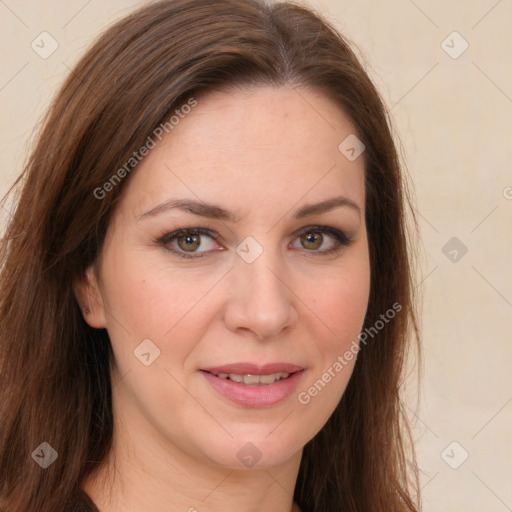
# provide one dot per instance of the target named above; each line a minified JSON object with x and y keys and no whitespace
{"x":80,"y":502}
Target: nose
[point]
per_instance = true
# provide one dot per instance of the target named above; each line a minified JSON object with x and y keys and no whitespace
{"x":261,"y":300}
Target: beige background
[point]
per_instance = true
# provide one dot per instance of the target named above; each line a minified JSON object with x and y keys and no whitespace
{"x":454,"y":120}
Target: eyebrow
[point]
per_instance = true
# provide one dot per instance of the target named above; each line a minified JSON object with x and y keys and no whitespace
{"x":213,"y":211}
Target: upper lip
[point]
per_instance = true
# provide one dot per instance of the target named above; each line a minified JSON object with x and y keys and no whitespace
{"x":253,"y":369}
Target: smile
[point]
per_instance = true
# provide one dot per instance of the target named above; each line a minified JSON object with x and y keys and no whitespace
{"x":252,"y":380}
{"x":252,"y":386}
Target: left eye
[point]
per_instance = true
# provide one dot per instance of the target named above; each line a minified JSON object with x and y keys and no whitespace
{"x":314,"y":239}
{"x":311,"y":240}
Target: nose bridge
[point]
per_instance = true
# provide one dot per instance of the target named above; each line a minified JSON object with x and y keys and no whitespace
{"x":265,"y":279}
{"x":261,"y":300}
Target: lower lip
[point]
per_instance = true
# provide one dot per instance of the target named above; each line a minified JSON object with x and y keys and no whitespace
{"x":255,"y":395}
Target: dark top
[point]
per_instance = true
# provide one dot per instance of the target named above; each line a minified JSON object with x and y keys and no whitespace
{"x":81,"y":503}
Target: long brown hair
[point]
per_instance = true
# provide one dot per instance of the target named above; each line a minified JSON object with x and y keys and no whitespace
{"x":55,"y":382}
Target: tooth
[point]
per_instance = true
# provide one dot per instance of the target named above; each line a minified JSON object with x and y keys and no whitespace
{"x":268,"y":379}
{"x":251,"y":379}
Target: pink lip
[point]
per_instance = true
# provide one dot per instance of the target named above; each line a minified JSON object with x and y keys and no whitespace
{"x":256,"y":395}
{"x":252,"y":369}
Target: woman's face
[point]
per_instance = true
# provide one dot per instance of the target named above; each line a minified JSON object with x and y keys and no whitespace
{"x":265,"y":280}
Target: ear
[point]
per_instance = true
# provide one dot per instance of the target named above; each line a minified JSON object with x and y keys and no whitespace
{"x":88,"y":295}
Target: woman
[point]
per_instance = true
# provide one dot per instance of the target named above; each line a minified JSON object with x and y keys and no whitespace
{"x":206,"y":285}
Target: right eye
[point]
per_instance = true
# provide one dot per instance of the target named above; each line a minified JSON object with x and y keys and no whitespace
{"x":189,"y":242}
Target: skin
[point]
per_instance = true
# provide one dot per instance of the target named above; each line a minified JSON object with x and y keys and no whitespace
{"x":261,"y":153}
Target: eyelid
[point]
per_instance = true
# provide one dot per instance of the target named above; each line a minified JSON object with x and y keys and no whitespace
{"x":330,"y":230}
{"x":187,"y":231}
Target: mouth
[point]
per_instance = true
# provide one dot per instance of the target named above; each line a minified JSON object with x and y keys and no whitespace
{"x":253,"y":380}
{"x":250,"y":385}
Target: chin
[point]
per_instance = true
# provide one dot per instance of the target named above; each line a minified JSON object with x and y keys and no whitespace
{"x":253,"y":452}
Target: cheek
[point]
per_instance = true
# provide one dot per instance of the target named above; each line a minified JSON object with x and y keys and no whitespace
{"x":148,"y":301}
{"x":340,"y":303}
{"x":152,"y":300}
{"x":340,"y":308}
{"x":343,"y":304}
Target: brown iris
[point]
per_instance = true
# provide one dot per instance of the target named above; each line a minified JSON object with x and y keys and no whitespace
{"x":311,"y":240}
{"x":189,"y":242}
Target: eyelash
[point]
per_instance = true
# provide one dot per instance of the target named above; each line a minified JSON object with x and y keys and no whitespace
{"x":342,"y":240}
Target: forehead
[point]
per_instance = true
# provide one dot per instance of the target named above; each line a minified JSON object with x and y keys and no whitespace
{"x":260,"y":146}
